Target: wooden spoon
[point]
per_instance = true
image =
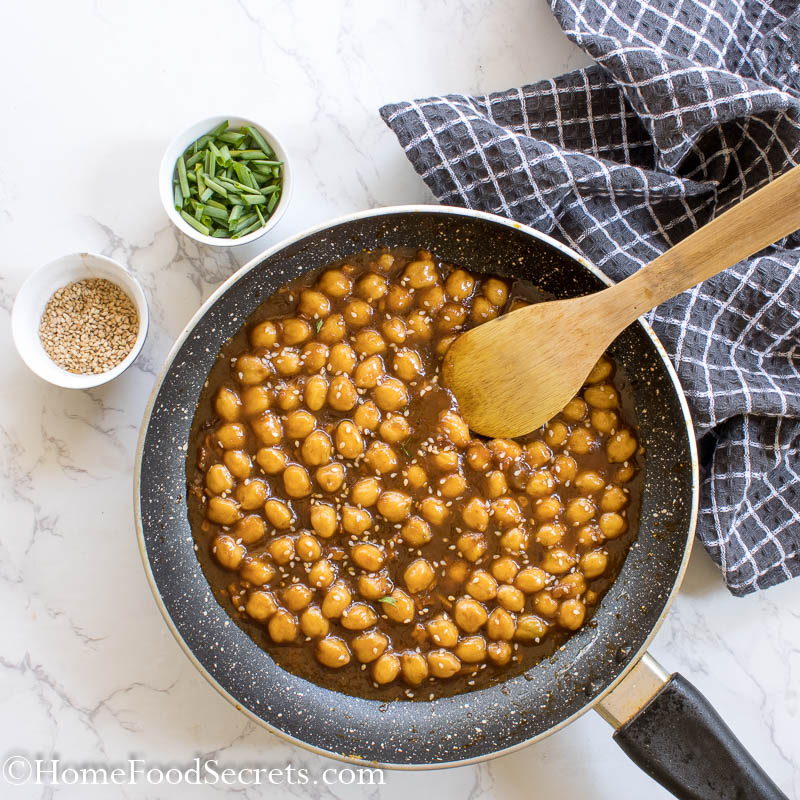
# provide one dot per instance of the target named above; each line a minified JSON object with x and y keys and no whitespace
{"x":514,"y":373}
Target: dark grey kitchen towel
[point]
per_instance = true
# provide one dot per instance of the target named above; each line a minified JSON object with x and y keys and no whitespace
{"x":691,"y":105}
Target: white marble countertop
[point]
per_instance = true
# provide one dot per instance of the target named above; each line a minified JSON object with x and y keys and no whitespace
{"x":92,"y":92}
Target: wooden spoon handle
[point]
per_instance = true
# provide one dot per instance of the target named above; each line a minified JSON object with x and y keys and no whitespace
{"x":761,"y":219}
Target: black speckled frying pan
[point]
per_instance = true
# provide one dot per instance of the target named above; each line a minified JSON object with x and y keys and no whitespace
{"x":662,"y":722}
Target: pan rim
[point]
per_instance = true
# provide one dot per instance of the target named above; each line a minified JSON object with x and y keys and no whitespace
{"x":252,"y":264}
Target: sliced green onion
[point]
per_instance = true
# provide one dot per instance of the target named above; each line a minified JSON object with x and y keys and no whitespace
{"x":236,"y":212}
{"x":255,"y":226}
{"x":212,"y":184}
{"x":273,"y":201}
{"x":178,"y":197}
{"x":184,"y":182}
{"x":194,"y":223}
{"x":255,"y":134}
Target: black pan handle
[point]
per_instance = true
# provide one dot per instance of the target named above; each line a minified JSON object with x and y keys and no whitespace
{"x":679,"y":740}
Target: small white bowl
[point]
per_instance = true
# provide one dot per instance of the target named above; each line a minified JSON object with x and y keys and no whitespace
{"x":179,"y":144}
{"x":32,"y":298}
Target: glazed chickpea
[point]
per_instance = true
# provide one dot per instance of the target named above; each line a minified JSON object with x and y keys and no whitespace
{"x":624,"y":473}
{"x":260,"y":605}
{"x":443,"y":345}
{"x":296,"y":597}
{"x":342,"y":395}
{"x":459,"y":284}
{"x":369,"y":646}
{"x":540,"y":484}
{"x":364,"y":493}
{"x":251,"y":494}
{"x":445,"y":460}
{"x":398,"y":299}
{"x":281,"y":549}
{"x":321,"y":574}
{"x":612,"y":524}
{"x":603,"y":396}
{"x":581,"y":441}
{"x":442,"y":631}
{"x":299,"y":424}
{"x":313,"y":304}
{"x":218,"y":479}
{"x":613,"y":499}
{"x":514,"y":540}
{"x":308,"y":547}
{"x":323,"y":519}
{"x":289,"y":396}
{"x":355,"y":521}
{"x":565,"y":468}
{"x":580,"y":510}
{"x":232,"y":435}
{"x":419,"y":326}
{"x":452,"y":317}
{"x":496,"y":291}
{"x":238,"y":463}
{"x":256,"y":400}
{"x":336,"y":600}
{"x":453,"y":485}
{"x":510,"y":598}
{"x":333,"y":330}
{"x":530,"y":628}
{"x":501,"y":625}
{"x":504,"y":450}
{"x":358,"y":617}
{"x":256,"y":571}
{"x":296,"y":481}
{"x":282,"y":626}
{"x":228,"y":404}
{"x":416,"y":532}
{"x":575,"y":410}
{"x":330,"y":477}
{"x":443,"y":664}
{"x":547,"y":508}
{"x":505,"y":569}
{"x":420,"y":274}
{"x":369,"y":372}
{"x":348,"y":440}
{"x":452,"y":426}
{"x":394,"y":428}
{"x":287,"y":362}
{"x":334,"y":283}
{"x":386,"y":668}
{"x":407,"y":364}
{"x":414,"y":668}
{"x":268,"y":428}
{"x":371,"y":286}
{"x":265,"y":334}
{"x":374,"y":585}
{"x":589,"y":481}
{"x":250,"y":529}
{"x":390,"y":394}
{"x":369,"y":343}
{"x":394,"y":506}
{"x":313,"y":623}
{"x":483,"y":310}
{"x":418,"y":576}
{"x":223,"y":510}
{"x":600,"y":371}
{"x":479,"y":457}
{"x":295,"y":331}
{"x":358,"y":313}
{"x":530,"y":580}
{"x":589,"y":535}
{"x":506,"y":512}
{"x":549,"y":534}
{"x":228,"y":553}
{"x":469,"y":614}
{"x":333,"y":652}
{"x":571,"y":614}
{"x":341,"y":359}
{"x":471,"y":649}
{"x":416,"y":476}
{"x":381,"y":458}
{"x":314,"y":357}
{"x":367,"y":416}
{"x":317,"y":448}
{"x":434,"y":510}
{"x":368,"y":556}
{"x":278,"y":514}
{"x":471,"y":546}
{"x":537,"y":453}
{"x":571,"y":585}
{"x":499,"y":653}
{"x":431,"y":299}
{"x":457,"y":571}
{"x":251,"y":369}
{"x":402,"y":610}
{"x":604,"y":420}
{"x":620,"y":447}
{"x":496,"y":484}
{"x":315,"y":392}
{"x":481,"y":585}
{"x":556,"y":433}
{"x":394,"y":330}
{"x":557,"y":561}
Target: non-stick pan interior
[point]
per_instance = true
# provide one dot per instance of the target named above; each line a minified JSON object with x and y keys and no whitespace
{"x":451,"y":729}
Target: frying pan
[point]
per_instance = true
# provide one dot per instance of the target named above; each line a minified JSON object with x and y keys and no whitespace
{"x":661,"y":721}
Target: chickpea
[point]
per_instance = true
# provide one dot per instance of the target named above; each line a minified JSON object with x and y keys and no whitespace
{"x":342,"y":395}
{"x":604,"y":420}
{"x":342,"y":359}
{"x":581,"y":441}
{"x":549,"y":534}
{"x":575,"y":410}
{"x":381,"y":458}
{"x":416,"y":476}
{"x":612,"y":524}
{"x":260,"y":605}
{"x":251,"y":494}
{"x":358,"y":617}
{"x":250,"y":369}
{"x":603,"y":396}
{"x":333,"y":652}
{"x":287,"y":362}
{"x":499,"y":653}
{"x":374,"y":585}
{"x":355,"y":521}
{"x":282,"y":626}
{"x":471,"y":546}
{"x":407,"y":364}
{"x":505,"y":569}
{"x":223,"y":510}
{"x":600,"y":371}
{"x":556,"y":433}
{"x":540,"y":484}
{"x":371,"y":286}
{"x":515,"y":540}
{"x":386,"y":668}
{"x":445,"y":460}
{"x":367,"y":416}
{"x":452,"y":317}
{"x":336,"y":600}
{"x":483,"y":310}
{"x":308,"y":547}
{"x":358,"y":313}
{"x":580,"y":510}
{"x":369,"y":646}
{"x":443,"y":345}
{"x":506,"y":512}
{"x":256,"y":400}
{"x":314,"y":357}
{"x":571,"y":585}
{"x":316,"y":391}
{"x":613,"y":499}
{"x":296,"y":481}
{"x":589,"y":482}
{"x":434,"y":510}
{"x":471,"y":649}
{"x":459,"y":284}
{"x":481,"y":585}
{"x":469,"y":614}
{"x":390,"y":394}
{"x":250,"y":528}
{"x":228,"y":553}
{"x":443,"y":664}
{"x":394,"y":428}
{"x":228,"y":404}
{"x":442,"y":631}
{"x":321,"y":574}
{"x":495,"y":291}
{"x":571,"y":614}
{"x":323,"y":519}
{"x":238,"y":463}
{"x":281,"y":549}
{"x":416,"y":532}
{"x":394,"y":506}
{"x":256,"y":571}
{"x":299,"y":424}
{"x":333,"y":330}
{"x":313,"y":623}
{"x":420,"y":274}
{"x":334,"y":283}
{"x":232,"y":435}
{"x":289,"y":396}
{"x":496,"y":484}
{"x":621,"y":446}
{"x":348,"y":440}
{"x":218,"y":479}
{"x":420,"y":328}
{"x":510,"y":598}
{"x":369,"y":342}
{"x":530,"y":580}
{"x":418,"y":576}
{"x":278,"y":514}
{"x":265,"y":334}
{"x":452,"y":426}
{"x":268,"y":428}
{"x":385,"y":261}
{"x":453,"y":485}
{"x":501,"y":625}
{"x":431,"y":299}
{"x":537,"y":453}
{"x":479,"y":457}
{"x":530,"y":628}
{"x":316,"y":449}
{"x":547,"y":508}
{"x":414,"y":668}
{"x":295,"y":331}
{"x":368,"y":372}
{"x":457,"y":571}
{"x":565,"y":468}
{"x":313,"y":304}
{"x":394,"y":330}
{"x":504,"y":450}
{"x":402,"y":610}
{"x":398,"y":299}
{"x":365,"y":492}
{"x":624,"y":473}
{"x":330,"y":477}
{"x":589,"y":535}
{"x":296,"y":597}
{"x":557,"y":561}
{"x":368,"y":556}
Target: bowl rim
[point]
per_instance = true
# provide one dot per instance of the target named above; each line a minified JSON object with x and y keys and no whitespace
{"x":128,"y":282}
{"x":182,"y":140}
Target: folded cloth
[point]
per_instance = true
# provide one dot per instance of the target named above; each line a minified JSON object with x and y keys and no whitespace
{"x":691,"y":105}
